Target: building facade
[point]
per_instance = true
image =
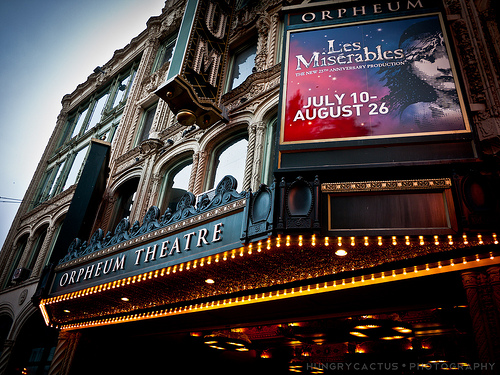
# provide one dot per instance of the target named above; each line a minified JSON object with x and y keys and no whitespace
{"x":269,"y":186}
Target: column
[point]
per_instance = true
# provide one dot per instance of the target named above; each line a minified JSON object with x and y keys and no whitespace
{"x":43,"y":251}
{"x":258,"y":153}
{"x":64,"y":353}
{"x":479,"y":287}
{"x":200,"y":172}
{"x":247,"y":178}
{"x":6,"y":354}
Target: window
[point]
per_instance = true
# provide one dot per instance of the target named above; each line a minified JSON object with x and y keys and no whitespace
{"x":267,"y":176}
{"x":76,"y":167}
{"x":175,"y":184}
{"x":122,"y":88}
{"x":21,"y":246}
{"x":146,"y":122}
{"x":242,"y":64}
{"x":165,"y":52}
{"x":124,"y":202}
{"x":81,"y":118}
{"x":229,"y":159}
{"x":37,"y":246}
{"x":98,"y":110}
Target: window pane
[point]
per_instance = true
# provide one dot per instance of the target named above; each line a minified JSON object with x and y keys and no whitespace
{"x":67,"y":129}
{"x":243,"y":64}
{"x":97,"y":113}
{"x":147,"y":122}
{"x":122,"y":89}
{"x":79,"y":123}
{"x":75,"y":168}
{"x":53,"y":189}
{"x":232,"y":162}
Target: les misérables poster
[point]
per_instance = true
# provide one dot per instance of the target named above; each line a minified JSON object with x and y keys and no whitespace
{"x":381,"y":79}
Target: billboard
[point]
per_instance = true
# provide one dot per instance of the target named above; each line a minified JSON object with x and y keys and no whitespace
{"x":377,"y":79}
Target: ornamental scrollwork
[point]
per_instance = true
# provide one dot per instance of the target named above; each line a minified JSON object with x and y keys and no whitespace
{"x":186,"y":207}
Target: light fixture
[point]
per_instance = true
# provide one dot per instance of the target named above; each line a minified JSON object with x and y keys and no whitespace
{"x":228,"y":340}
{"x":209,"y":281}
{"x":341,"y":253}
{"x":99,"y":70}
{"x":125,"y":299}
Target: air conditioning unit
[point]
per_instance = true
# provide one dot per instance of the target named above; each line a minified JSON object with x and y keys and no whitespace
{"x":21,"y":274}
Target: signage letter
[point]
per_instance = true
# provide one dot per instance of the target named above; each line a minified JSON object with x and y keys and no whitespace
{"x":98,"y":269}
{"x":80,"y":273}
{"x":138,"y":258}
{"x":209,"y":22}
{"x":211,"y":58}
{"x":202,"y":234}
{"x":164,"y":249}
{"x":88,"y":272}
{"x":188,"y":240}
{"x":64,"y":279}
{"x":175,"y":247}
{"x":150,"y":253}
{"x":217,"y":232}
{"x":120,"y":263}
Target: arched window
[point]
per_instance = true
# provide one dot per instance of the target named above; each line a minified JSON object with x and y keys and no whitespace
{"x":21,"y":246}
{"x":268,"y":157}
{"x":175,"y":184}
{"x":37,"y":246}
{"x":124,"y":201}
{"x":229,"y":159}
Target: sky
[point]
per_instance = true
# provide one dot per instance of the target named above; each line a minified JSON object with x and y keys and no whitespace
{"x":47,"y":48}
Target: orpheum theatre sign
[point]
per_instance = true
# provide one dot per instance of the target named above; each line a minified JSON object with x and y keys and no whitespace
{"x":369,"y":71}
{"x":195,"y":77}
{"x":189,"y":234}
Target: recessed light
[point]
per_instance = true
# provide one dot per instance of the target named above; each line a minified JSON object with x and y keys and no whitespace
{"x":66,"y":311}
{"x":341,"y":253}
{"x":209,"y":281}
{"x":125,"y":299}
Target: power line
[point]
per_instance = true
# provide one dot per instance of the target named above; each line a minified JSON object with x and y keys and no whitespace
{"x":10,"y":200}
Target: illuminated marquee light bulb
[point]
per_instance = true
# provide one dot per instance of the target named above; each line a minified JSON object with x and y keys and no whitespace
{"x":407,"y":240}
{"x":465,"y":239}
{"x":353,"y":241}
{"x":287,"y":240}
{"x":366,"y":241}
{"x":436,"y":240}
{"x":480,"y":239}
{"x":327,"y":241}
{"x":300,"y":240}
{"x":421,"y":240}
{"x":313,"y":240}
{"x":259,"y":246}
{"x":339,"y":241}
{"x":250,"y":247}
{"x":495,"y":240}
{"x":278,"y":241}
{"x":379,"y":240}
{"x":269,"y":243}
{"x":464,"y":261}
{"x":394,"y":242}
{"x":450,"y":239}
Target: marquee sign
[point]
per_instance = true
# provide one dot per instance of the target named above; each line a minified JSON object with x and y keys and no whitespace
{"x":181,"y":246}
{"x":373,"y":78}
{"x":195,"y":78}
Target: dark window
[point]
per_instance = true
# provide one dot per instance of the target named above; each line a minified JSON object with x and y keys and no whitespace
{"x":147,"y":121}
{"x":242,"y":65}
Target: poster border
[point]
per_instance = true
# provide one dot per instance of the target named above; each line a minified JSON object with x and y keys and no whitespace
{"x":456,"y":77}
